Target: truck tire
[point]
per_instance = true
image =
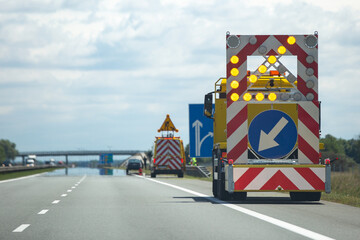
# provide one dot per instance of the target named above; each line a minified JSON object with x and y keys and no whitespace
{"x":222,"y":194}
{"x":180,"y":175}
{"x":153,"y":175}
{"x":127,"y":172}
{"x":305,"y":196}
{"x":240,"y":196}
{"x":214,"y":188}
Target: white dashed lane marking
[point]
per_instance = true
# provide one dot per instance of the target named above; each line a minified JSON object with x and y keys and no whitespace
{"x":43,"y":211}
{"x":21,"y":228}
{"x":56,"y":202}
{"x":64,"y":195}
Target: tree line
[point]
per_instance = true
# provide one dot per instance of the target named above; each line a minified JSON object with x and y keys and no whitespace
{"x":344,"y":154}
{"x":8,"y":151}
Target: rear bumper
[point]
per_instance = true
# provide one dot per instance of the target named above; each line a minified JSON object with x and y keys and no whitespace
{"x":275,"y":178}
{"x":166,"y":171}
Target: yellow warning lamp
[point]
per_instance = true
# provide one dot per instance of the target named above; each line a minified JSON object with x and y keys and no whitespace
{"x":272,"y":59}
{"x":234,"y":97}
{"x":234,"y":84}
{"x":234,"y":59}
{"x":291,"y":40}
{"x":259,"y":97}
{"x":262,"y":69}
{"x":234,"y":71}
{"x":247,"y":97}
{"x":253,"y":78}
{"x":272,"y":97}
{"x":281,"y":50}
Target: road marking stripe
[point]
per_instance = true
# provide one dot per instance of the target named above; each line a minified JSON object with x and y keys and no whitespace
{"x":56,"y":202}
{"x":69,"y":190}
{"x":73,"y":187}
{"x":21,"y":228}
{"x":20,"y":178}
{"x":64,"y":195}
{"x":43,"y":211}
{"x":274,"y":221}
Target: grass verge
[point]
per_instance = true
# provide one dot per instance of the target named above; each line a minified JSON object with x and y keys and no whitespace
{"x":11,"y":175}
{"x":345,"y":188}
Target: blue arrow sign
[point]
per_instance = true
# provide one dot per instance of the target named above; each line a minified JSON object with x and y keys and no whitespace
{"x":272,"y":134}
{"x":201,"y":132}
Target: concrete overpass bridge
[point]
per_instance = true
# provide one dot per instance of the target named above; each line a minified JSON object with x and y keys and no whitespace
{"x":76,"y":153}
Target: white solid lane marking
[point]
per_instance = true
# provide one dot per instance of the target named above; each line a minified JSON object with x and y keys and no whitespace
{"x":64,"y":195}
{"x":20,"y":178}
{"x":274,"y":221}
{"x":43,"y":211}
{"x":21,"y":228}
{"x":56,"y":202}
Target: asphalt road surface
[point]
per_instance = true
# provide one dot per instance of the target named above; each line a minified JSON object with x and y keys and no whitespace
{"x":133,"y":207}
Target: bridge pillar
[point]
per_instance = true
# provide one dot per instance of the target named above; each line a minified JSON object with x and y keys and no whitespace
{"x":67,"y":161}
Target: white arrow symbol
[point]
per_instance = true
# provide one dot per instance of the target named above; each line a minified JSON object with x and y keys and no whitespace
{"x":197,"y":125}
{"x":267,"y":140}
{"x":210,"y":134}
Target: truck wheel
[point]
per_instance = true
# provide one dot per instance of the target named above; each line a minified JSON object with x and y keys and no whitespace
{"x":221,"y":193}
{"x":214,"y":188}
{"x":181,"y":175}
{"x":153,"y":175}
{"x":127,"y":172}
{"x":240,"y":196}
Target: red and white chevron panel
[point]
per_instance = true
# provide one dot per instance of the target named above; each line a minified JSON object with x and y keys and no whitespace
{"x":308,"y":133}
{"x":279,"y":178}
{"x":307,"y":86}
{"x":168,"y":153}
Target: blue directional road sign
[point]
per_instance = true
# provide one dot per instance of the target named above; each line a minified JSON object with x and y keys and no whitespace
{"x":272,"y":134}
{"x":201,"y":132}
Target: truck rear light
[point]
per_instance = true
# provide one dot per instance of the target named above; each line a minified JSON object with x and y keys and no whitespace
{"x":223,"y":155}
{"x":182,"y":160}
{"x":154,"y":160}
{"x":231,"y":162}
{"x":327,"y":161}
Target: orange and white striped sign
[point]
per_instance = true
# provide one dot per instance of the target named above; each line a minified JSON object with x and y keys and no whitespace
{"x":304,"y":93}
{"x":261,"y":178}
{"x":168,"y":154}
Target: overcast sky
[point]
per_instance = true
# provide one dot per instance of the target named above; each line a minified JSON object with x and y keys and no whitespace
{"x":97,"y":74}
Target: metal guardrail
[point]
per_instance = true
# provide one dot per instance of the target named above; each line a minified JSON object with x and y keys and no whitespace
{"x":25,"y":168}
{"x":79,"y":152}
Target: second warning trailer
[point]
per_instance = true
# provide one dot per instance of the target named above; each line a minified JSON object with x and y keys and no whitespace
{"x":168,"y":152}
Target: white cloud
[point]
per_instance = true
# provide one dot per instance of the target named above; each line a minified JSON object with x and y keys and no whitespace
{"x":87,"y":68}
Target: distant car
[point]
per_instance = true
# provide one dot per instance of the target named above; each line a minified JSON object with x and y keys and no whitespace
{"x":133,"y":164}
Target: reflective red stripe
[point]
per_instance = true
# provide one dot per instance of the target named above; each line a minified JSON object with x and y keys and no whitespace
{"x":236,"y":122}
{"x":308,"y":121}
{"x":247,"y":178}
{"x":279,"y":179}
{"x":311,"y":178}
{"x":306,"y":149}
{"x":239,"y":149}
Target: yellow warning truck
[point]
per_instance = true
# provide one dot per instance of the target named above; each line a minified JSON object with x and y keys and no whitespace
{"x":267,"y":119}
{"x":168,"y":152}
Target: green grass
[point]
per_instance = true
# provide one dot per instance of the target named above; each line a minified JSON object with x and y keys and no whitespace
{"x":345,"y":188}
{"x":5,"y":176}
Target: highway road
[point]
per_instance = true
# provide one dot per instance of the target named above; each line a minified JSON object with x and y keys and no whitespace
{"x":90,"y":206}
